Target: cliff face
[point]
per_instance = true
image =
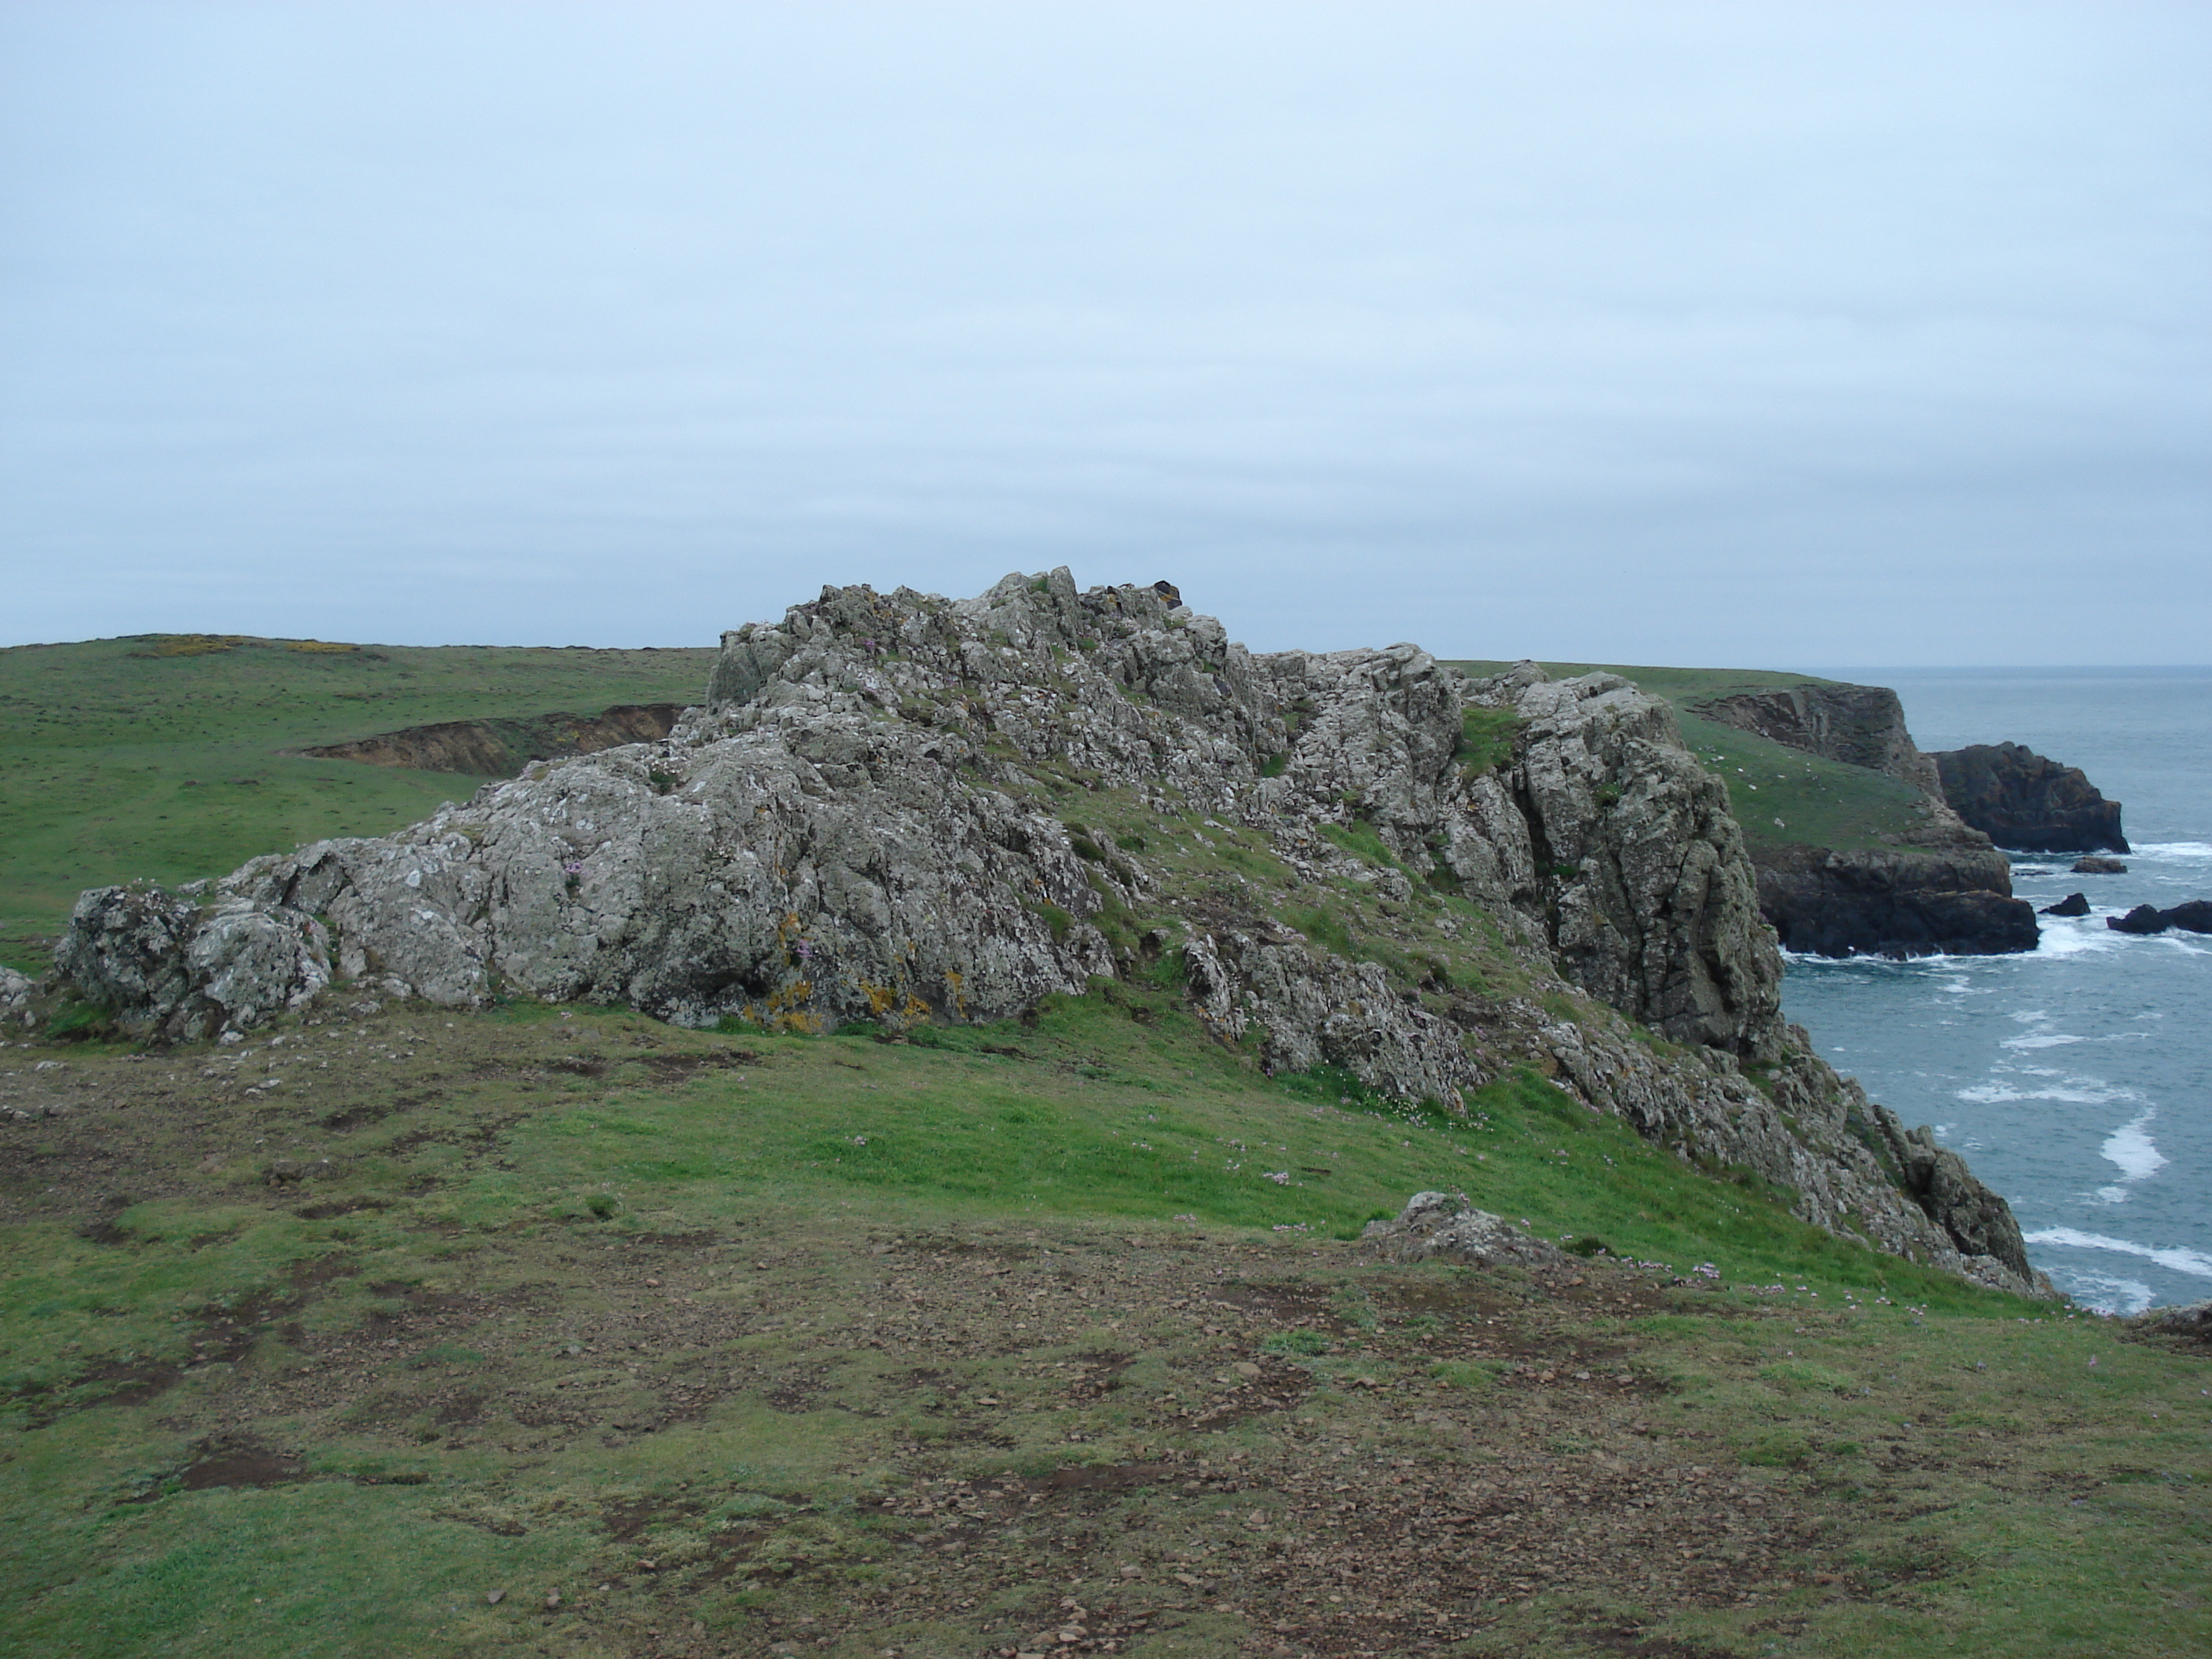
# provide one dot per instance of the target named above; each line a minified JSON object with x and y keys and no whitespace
{"x":898,"y":808}
{"x":2022,"y":800}
{"x":1894,"y":903}
{"x":1857,"y":725}
{"x":501,"y":748}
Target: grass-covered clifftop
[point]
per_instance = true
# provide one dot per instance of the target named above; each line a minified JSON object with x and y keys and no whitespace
{"x":172,"y":757}
{"x":1781,"y":796}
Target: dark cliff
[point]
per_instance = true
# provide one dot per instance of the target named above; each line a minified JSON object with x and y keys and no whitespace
{"x":2024,"y":801}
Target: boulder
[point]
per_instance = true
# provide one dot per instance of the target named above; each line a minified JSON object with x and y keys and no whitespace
{"x":15,"y":993}
{"x":2094,"y":866}
{"x":2019,"y":799}
{"x":1446,"y":1227}
{"x":2073,"y":905}
{"x":168,"y":966}
{"x":2143,"y":919}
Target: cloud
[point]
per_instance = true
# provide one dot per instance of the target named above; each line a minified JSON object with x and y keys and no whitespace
{"x":1623,"y":333}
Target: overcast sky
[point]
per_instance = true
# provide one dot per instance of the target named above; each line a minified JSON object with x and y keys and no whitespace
{"x":1765,"y":334}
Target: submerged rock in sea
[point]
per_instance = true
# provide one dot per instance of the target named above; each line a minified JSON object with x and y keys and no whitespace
{"x":2143,"y":919}
{"x":2193,"y":917}
{"x":2073,"y":905}
{"x":2098,"y":867}
{"x":879,"y":814}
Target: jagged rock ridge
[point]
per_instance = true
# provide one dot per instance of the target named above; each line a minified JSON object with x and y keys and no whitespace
{"x":874,"y":817}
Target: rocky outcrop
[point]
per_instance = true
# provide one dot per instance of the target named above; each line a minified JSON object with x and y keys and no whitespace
{"x":2193,"y":917}
{"x":2098,"y":867}
{"x":2073,"y":905}
{"x":1976,"y":1219}
{"x":2023,"y":800}
{"x":1892,"y":904}
{"x":501,"y":748}
{"x":887,"y":811}
{"x":1446,"y":1227}
{"x":2189,"y":1324}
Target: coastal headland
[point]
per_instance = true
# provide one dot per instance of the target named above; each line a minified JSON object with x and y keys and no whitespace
{"x":888,"y":1165}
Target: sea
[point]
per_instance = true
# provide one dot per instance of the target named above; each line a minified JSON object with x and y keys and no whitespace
{"x":2076,"y":1079}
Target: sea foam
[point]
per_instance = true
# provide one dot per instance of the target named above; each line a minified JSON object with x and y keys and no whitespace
{"x":2181,"y":1260}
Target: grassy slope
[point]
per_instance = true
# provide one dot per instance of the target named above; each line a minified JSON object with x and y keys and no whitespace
{"x":575,"y":1292}
{"x":749,"y":1368}
{"x":1819,"y":803}
{"x":117,"y":763}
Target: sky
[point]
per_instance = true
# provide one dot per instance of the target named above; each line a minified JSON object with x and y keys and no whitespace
{"x":1770,"y":334}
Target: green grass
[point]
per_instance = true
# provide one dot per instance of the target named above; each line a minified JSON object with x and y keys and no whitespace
{"x":528,"y":1166}
{"x":528,"y":1297}
{"x":118,"y":763}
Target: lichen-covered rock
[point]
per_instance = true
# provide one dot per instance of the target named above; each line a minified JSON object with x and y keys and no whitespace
{"x":15,"y":993}
{"x":1650,"y":902}
{"x":1447,"y":1227}
{"x":168,"y":965}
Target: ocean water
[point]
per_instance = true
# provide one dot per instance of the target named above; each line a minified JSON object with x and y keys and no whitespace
{"x":2076,"y":1078}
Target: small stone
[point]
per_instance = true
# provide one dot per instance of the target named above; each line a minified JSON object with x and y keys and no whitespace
{"x":495,"y":1597}
{"x":1245,"y":1368}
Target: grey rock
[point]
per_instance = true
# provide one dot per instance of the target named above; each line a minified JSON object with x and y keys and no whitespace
{"x":2073,"y":905}
{"x":1446,"y":1227}
{"x":2098,"y":867}
{"x":169,"y":966}
{"x":15,"y":993}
